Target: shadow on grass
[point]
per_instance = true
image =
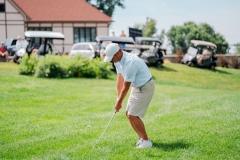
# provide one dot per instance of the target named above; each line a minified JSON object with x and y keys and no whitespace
{"x":164,"y":68}
{"x":219,"y":71}
{"x":171,"y":146}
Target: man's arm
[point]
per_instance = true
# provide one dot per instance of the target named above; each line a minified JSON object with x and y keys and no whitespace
{"x":120,"y":82}
{"x":122,"y":90}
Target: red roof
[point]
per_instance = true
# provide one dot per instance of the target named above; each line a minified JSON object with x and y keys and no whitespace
{"x":61,"y":11}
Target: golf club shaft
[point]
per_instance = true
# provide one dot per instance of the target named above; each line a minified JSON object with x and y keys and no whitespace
{"x":106,"y":128}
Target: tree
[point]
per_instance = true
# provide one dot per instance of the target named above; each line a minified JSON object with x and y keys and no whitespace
{"x":107,"y":6}
{"x":149,"y":28}
{"x":180,"y":36}
{"x":162,"y":35}
{"x":237,"y":49}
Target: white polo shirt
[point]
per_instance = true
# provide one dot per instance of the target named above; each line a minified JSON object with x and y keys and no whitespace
{"x":133,"y":69}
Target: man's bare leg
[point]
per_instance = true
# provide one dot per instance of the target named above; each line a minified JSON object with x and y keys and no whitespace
{"x":138,"y":126}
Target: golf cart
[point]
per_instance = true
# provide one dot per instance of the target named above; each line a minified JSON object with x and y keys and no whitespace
{"x":191,"y":58}
{"x":34,"y":39}
{"x":150,"y":50}
{"x":126,"y":43}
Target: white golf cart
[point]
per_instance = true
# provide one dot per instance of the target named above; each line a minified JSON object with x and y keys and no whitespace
{"x":191,"y":58}
{"x":34,"y":39}
{"x":150,"y":50}
{"x":126,"y":43}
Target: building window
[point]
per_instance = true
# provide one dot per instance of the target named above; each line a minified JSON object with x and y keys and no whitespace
{"x":37,"y":41}
{"x":39,"y":28}
{"x":84,"y":34}
{"x":2,"y":7}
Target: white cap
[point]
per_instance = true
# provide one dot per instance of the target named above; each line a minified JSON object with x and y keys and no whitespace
{"x":110,"y":50}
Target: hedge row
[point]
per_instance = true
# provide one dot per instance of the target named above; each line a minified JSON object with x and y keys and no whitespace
{"x":64,"y":67}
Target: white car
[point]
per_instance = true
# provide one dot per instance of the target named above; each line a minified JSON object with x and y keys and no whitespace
{"x":86,"y":49}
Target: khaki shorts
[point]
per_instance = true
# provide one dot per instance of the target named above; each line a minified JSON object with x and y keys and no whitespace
{"x":139,"y":99}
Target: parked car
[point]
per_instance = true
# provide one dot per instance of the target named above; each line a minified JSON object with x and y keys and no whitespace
{"x":150,"y":50}
{"x":194,"y":51}
{"x":86,"y":49}
{"x":10,"y":45}
{"x":48,"y":36}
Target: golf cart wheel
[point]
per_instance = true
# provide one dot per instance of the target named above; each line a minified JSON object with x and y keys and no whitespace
{"x":191,"y":64}
{"x":158,"y":64}
{"x":212,"y":67}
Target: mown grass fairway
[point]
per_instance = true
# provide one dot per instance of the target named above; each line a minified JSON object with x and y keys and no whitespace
{"x":194,"y":114}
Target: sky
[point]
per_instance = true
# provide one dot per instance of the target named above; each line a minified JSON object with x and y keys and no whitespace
{"x":222,"y":15}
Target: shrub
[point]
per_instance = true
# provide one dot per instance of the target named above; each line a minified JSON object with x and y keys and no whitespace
{"x":84,"y":68}
{"x":64,"y":67}
{"x":180,"y":55}
{"x":223,"y":62}
{"x":28,"y":65}
{"x":49,"y":66}
{"x":103,"y":69}
{"x":235,"y":63}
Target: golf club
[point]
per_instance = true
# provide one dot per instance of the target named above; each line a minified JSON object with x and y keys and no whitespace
{"x":106,"y":128}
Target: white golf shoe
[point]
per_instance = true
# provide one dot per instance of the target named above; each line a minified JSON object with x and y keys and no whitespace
{"x":145,"y":144}
{"x":139,"y":141}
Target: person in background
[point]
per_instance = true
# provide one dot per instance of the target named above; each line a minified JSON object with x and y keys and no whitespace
{"x":123,"y":34}
{"x":19,"y":44}
{"x":123,"y":45}
{"x":40,"y":50}
{"x":113,"y":34}
{"x":3,"y":51}
{"x":132,"y":71}
{"x":206,"y":54}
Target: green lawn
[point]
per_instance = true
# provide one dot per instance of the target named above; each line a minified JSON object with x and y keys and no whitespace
{"x":194,"y":114}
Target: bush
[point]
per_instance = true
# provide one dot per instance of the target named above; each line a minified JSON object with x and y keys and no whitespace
{"x":102,"y":69}
{"x":235,"y":63}
{"x":64,"y":67}
{"x":28,"y":65}
{"x":223,"y":62}
{"x":49,"y":66}
{"x":180,"y":55}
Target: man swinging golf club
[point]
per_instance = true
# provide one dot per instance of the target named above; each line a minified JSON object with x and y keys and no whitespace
{"x":132,"y":71}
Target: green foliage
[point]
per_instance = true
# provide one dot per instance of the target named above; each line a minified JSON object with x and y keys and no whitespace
{"x":64,"y":67}
{"x":107,"y":6}
{"x":138,"y":26}
{"x":52,"y":67}
{"x":180,"y":36}
{"x":28,"y":65}
{"x":149,"y":28}
{"x":162,"y":35}
{"x":103,"y":69}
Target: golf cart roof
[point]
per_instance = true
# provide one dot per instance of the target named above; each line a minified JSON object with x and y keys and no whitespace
{"x":139,"y":40}
{"x":204,"y":43}
{"x":127,"y":40}
{"x":44,"y":34}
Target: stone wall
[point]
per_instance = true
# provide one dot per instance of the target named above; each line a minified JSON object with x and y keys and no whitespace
{"x":175,"y":59}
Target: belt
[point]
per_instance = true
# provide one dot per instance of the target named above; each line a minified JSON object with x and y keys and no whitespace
{"x":140,"y":88}
{"x":149,"y":79}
